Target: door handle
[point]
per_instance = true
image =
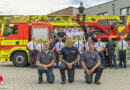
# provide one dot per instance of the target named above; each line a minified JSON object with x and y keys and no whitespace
{"x":17,"y":42}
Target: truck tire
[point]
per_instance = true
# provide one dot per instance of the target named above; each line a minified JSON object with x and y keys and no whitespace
{"x":20,"y":59}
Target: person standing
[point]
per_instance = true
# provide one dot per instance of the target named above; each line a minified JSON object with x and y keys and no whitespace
{"x":45,"y":62}
{"x":59,"y":45}
{"x":123,"y":45}
{"x":111,"y":52}
{"x":99,"y":47}
{"x":74,"y":29}
{"x":81,"y":11}
{"x":56,"y":30}
{"x":70,"y":34}
{"x":52,"y":45}
{"x":79,"y":33}
{"x":80,"y":45}
{"x":66,"y":29}
{"x":91,"y":63}
{"x":86,"y":44}
{"x":69,"y":56}
{"x":88,"y":34}
{"x":40,"y":47}
{"x":32,"y":52}
{"x":62,"y":34}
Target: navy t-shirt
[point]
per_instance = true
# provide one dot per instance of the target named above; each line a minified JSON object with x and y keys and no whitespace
{"x":69,"y":54}
{"x":81,"y":9}
{"x":61,"y":34}
{"x":87,"y":35}
{"x":111,"y":45}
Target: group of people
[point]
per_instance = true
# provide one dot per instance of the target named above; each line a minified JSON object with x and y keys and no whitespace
{"x":69,"y":55}
{"x":90,"y":55}
{"x":69,"y":32}
{"x":82,"y":52}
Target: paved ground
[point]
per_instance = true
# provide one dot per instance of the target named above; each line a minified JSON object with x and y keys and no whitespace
{"x":26,"y":79}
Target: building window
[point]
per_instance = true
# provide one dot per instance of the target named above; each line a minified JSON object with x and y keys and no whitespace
{"x":104,"y":13}
{"x":124,"y":11}
{"x":129,"y":11}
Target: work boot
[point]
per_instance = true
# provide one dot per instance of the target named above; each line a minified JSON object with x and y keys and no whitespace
{"x":97,"y":82}
{"x":62,"y":82}
{"x":39,"y":82}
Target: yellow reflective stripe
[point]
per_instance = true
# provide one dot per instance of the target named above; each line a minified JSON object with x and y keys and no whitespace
{"x":38,"y":41}
{"x":113,"y":36}
{"x":2,"y":29}
{"x":14,"y":42}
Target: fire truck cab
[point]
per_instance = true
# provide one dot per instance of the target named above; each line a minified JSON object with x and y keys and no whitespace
{"x":14,"y":38}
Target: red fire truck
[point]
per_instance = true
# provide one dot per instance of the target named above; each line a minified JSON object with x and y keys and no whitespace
{"x":14,"y":38}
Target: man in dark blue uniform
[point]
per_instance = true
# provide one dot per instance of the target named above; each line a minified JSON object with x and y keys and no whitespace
{"x":52,"y":45}
{"x":62,"y":34}
{"x":69,"y":55}
{"x":111,"y":52}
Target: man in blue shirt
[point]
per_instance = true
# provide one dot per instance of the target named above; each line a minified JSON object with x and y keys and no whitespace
{"x":69,"y":56}
{"x":81,"y":11}
{"x":88,"y":34}
{"x":111,"y":52}
{"x":91,"y":63}
{"x":52,"y":45}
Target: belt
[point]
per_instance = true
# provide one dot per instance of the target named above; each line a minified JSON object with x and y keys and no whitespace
{"x":122,"y":50}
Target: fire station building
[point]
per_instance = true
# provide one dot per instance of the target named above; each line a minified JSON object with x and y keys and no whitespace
{"x":115,"y":7}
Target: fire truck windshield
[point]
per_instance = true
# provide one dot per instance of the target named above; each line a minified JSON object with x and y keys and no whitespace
{"x":10,"y":30}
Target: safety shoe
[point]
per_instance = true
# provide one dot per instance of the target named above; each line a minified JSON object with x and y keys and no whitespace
{"x":39,"y":82}
{"x":62,"y":82}
{"x":97,"y":82}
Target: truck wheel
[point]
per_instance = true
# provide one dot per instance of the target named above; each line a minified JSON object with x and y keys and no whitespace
{"x":20,"y":59}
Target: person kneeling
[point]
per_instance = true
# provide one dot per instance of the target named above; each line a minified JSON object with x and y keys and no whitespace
{"x":45,"y":62}
{"x":91,"y":63}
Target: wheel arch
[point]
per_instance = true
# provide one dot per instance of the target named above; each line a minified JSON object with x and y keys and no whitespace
{"x":16,"y":52}
{"x":19,"y":49}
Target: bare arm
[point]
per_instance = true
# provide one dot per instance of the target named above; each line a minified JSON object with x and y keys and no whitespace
{"x":53,"y":49}
{"x":57,"y":51}
{"x":29,"y":47}
{"x":77,"y":59}
{"x":84,"y":67}
{"x":102,"y":49}
{"x":96,"y":49}
{"x":39,"y":64}
{"x":97,"y":65}
{"x":51,"y":64}
{"x":62,"y":60}
{"x":84,"y":12}
{"x":115,"y":51}
{"x":106,"y":50}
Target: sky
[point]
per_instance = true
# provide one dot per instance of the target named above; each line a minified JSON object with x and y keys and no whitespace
{"x":41,"y":7}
